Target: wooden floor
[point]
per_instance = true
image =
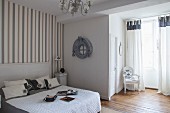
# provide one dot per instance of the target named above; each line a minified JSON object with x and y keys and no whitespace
{"x":143,"y":102}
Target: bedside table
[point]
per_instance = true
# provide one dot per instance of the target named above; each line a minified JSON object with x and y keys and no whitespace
{"x":62,"y":78}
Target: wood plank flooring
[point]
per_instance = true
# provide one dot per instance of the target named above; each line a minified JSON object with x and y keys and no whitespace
{"x":139,"y":102}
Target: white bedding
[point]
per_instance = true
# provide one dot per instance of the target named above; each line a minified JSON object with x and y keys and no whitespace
{"x":85,"y":102}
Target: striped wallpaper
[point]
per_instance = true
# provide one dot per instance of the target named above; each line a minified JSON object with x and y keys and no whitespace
{"x":29,"y":36}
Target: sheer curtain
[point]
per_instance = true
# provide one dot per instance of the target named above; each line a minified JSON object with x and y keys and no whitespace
{"x":134,"y":50}
{"x":164,"y":55}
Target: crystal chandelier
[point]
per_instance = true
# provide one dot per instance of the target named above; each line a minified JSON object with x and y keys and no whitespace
{"x":73,"y":6}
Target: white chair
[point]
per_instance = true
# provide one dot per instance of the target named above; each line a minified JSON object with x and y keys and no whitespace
{"x":130,"y":77}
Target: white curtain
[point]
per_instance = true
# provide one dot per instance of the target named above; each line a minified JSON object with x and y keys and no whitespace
{"x":134,"y":54}
{"x":164,"y":56}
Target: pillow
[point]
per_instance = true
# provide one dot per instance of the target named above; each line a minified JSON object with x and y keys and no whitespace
{"x":41,"y":83}
{"x":51,"y":83}
{"x":15,"y":91}
{"x":13,"y":83}
{"x":34,"y":84}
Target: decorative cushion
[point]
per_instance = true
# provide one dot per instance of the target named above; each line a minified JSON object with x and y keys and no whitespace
{"x":33,"y":84}
{"x":41,"y":82}
{"x":51,"y":83}
{"x":13,"y":83}
{"x":15,"y":91}
{"x":37,"y":83}
{"x":128,"y":73}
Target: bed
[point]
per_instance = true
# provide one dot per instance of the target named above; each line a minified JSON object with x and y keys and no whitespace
{"x":85,"y":102}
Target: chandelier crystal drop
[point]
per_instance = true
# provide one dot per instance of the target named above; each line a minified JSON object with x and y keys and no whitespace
{"x":74,"y":6}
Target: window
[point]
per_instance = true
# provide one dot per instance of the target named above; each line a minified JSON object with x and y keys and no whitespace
{"x":149,"y":43}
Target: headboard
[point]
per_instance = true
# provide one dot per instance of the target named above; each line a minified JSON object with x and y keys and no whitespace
{"x":23,"y":71}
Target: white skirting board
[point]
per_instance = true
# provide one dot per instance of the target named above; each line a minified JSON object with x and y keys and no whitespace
{"x":105,"y":98}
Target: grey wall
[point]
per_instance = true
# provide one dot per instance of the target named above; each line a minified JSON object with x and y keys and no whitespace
{"x":22,"y":71}
{"x":0,"y":31}
{"x":91,"y":73}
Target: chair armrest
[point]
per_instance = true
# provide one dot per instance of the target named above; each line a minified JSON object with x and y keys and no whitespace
{"x":135,"y":75}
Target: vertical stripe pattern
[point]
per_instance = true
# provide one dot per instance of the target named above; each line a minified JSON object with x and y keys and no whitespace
{"x":36,"y":36}
{"x":16,"y":53}
{"x":29,"y":36}
{"x":20,"y":31}
{"x":6,"y":37}
{"x":33,"y":35}
{"x":1,"y":31}
{"x":10,"y":25}
{"x":60,"y":35}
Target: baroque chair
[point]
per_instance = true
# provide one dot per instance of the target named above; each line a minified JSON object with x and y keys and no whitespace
{"x":130,"y":78}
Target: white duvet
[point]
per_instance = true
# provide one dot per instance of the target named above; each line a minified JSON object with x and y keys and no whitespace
{"x":85,"y":102}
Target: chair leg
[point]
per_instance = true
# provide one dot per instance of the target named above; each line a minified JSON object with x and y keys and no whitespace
{"x":133,"y":87}
{"x":138,"y":87}
{"x":125,"y":88}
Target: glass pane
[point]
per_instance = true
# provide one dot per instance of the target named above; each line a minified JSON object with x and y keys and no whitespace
{"x":148,"y":60}
{"x":148,"y":44}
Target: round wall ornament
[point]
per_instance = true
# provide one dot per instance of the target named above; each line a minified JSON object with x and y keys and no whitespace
{"x":82,"y":48}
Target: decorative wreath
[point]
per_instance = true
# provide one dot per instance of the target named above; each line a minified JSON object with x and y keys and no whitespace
{"x":82,"y":48}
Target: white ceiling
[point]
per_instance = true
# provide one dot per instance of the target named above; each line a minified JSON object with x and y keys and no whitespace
{"x":100,"y":7}
{"x":150,"y":11}
{"x":49,"y":6}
